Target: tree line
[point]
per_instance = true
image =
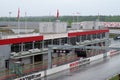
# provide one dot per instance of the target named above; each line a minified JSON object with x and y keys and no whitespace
{"x":64,"y":18}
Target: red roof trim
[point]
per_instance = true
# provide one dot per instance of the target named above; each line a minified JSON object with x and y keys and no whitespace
{"x":37,"y":38}
{"x":73,"y":34}
{"x":20,"y":40}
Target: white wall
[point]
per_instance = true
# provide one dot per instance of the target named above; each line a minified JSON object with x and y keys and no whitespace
{"x":76,"y":26}
{"x":46,"y":27}
{"x":60,"y":27}
{"x":53,"y":36}
{"x":26,"y":60}
{"x":52,"y":27}
{"x":4,"y":54}
{"x":96,"y":57}
{"x":61,"y":68}
{"x":87,"y":25}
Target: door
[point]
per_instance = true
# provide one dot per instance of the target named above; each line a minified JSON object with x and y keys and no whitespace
{"x":6,"y":64}
{"x":38,"y":58}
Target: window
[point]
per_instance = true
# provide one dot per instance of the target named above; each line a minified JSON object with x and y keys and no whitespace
{"x":64,"y":41}
{"x":38,"y":44}
{"x":28,"y":46}
{"x":15,"y":47}
{"x":98,"y":36}
{"x":78,"y":38}
{"x":73,"y":40}
{"x":56,"y":42}
{"x":103,"y":35}
{"x":83,"y":38}
{"x":94,"y":36}
{"x":88,"y":37}
{"x":47,"y":42}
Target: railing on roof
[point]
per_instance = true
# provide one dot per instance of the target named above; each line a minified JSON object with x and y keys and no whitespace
{"x":7,"y":36}
{"x":28,"y":53}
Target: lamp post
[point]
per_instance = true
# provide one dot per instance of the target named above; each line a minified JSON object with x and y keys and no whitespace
{"x":77,"y":16}
{"x":25,"y":22}
{"x":73,"y":18}
{"x":9,"y":18}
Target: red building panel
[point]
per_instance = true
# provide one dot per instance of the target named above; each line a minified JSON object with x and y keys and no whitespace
{"x":73,"y":34}
{"x":37,"y":38}
{"x":20,"y":40}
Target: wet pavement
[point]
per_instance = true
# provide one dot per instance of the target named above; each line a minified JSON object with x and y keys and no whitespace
{"x":98,"y":70}
{"x":101,"y":69}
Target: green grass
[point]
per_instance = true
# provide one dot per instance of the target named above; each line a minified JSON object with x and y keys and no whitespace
{"x":115,"y":78}
{"x":112,"y":35}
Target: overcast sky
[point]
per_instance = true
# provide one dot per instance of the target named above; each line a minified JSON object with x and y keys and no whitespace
{"x":66,"y":7}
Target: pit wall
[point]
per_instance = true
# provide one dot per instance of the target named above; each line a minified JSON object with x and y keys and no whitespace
{"x":113,"y":52}
{"x":69,"y":66}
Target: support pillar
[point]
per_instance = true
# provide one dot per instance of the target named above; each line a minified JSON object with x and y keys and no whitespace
{"x":33,"y":62}
{"x":51,"y":41}
{"x":49,"y":57}
{"x":21,"y":47}
{"x":106,"y":43}
{"x":33,"y":45}
{"x":42,"y":44}
{"x":60,"y":41}
{"x":107,"y":49}
{"x":68,"y":40}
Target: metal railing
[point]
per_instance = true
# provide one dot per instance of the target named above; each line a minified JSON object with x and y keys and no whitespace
{"x":38,"y":66}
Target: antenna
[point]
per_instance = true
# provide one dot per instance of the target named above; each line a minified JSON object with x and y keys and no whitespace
{"x":98,"y":18}
{"x":25,"y":22}
{"x":18,"y":16}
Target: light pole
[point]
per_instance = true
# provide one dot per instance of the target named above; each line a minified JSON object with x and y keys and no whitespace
{"x":77,"y":16}
{"x":9,"y":18}
{"x":73,"y":17}
{"x":25,"y":22}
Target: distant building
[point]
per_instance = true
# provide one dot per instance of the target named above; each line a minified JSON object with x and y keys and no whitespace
{"x":32,"y":48}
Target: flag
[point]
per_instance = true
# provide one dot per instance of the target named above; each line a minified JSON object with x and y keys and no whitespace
{"x":57,"y":14}
{"x":18,"y":16}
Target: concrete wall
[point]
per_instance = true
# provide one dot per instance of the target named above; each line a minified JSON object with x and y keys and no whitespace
{"x":60,"y":27}
{"x":4,"y":54}
{"x":87,"y":25}
{"x":76,"y":25}
{"x":30,"y":25}
{"x":52,"y":27}
{"x":53,"y":36}
{"x":26,"y":60}
{"x":96,"y":57}
{"x":46,"y":27}
{"x":60,"y":68}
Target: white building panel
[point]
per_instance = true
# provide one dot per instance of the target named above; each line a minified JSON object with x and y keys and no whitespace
{"x":91,"y":25}
{"x":26,"y":60}
{"x":87,"y":25}
{"x":4,"y":54}
{"x":53,"y":36}
{"x":45,"y":57}
{"x":19,"y":35}
{"x":76,"y":25}
{"x":53,"y":27}
{"x":46,"y":27}
{"x":60,"y":27}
